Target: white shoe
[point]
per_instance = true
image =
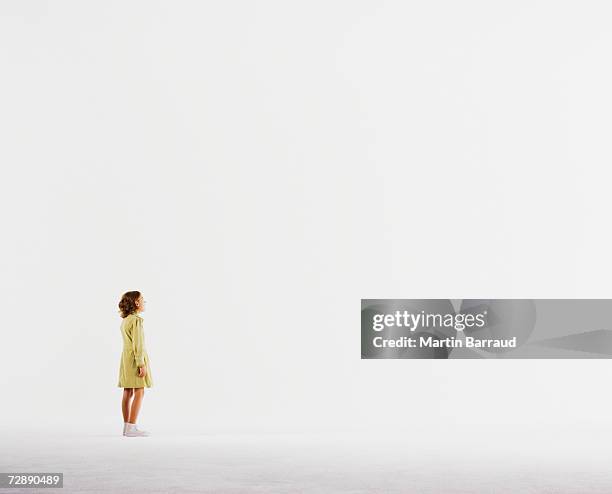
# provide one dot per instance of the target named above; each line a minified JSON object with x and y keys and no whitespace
{"x":131,"y":430}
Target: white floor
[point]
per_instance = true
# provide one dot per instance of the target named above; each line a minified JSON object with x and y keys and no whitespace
{"x":427,"y":460}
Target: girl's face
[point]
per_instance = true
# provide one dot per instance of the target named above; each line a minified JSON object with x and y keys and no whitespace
{"x":140,"y":303}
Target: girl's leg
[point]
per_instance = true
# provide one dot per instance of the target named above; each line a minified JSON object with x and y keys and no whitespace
{"x":135,"y":408}
{"x":125,"y":403}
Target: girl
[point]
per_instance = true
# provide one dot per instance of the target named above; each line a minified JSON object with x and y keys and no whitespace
{"x":134,"y":369}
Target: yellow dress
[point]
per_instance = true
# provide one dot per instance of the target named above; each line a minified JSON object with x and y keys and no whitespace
{"x":134,"y":354}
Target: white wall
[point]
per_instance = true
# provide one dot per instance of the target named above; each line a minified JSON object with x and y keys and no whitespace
{"x":256,"y":168}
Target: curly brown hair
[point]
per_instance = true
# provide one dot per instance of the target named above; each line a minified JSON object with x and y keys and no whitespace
{"x":127,"y":304}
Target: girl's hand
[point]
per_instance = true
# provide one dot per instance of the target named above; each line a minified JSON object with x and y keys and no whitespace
{"x":142,"y":371}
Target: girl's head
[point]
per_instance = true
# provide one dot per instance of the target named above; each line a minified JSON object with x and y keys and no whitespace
{"x":131,"y":303}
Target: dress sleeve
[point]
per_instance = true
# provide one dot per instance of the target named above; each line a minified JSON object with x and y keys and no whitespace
{"x":138,"y":342}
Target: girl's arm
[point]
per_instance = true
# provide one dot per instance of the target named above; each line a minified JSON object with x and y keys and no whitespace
{"x":138,"y":342}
